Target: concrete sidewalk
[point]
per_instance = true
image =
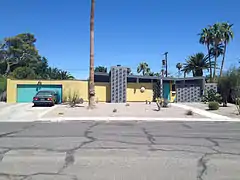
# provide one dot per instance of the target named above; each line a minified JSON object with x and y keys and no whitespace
{"x":202,"y":112}
{"x":23,"y":111}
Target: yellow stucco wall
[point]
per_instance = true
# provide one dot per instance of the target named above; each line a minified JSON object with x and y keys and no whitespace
{"x":81,"y":87}
{"x":135,"y":95}
{"x":103,"y":93}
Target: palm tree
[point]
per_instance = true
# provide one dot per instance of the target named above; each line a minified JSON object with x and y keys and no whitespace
{"x":227,"y":36}
{"x":143,"y":67}
{"x":151,"y":74}
{"x":219,"y":51}
{"x":206,"y":39}
{"x":196,"y":64}
{"x":179,"y":67}
{"x":217,"y":39}
{"x":91,"y":75}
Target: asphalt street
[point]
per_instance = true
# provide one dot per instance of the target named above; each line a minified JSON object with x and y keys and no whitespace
{"x":88,"y":150}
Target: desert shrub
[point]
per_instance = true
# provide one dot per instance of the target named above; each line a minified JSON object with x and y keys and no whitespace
{"x":165,"y":103}
{"x":213,"y":105}
{"x":81,"y":101}
{"x":73,"y":98}
{"x":64,"y":98}
{"x":161,"y":103}
{"x":148,"y":102}
{"x":189,"y":113}
{"x":158,"y":102}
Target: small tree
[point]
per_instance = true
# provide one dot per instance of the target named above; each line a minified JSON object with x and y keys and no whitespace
{"x":228,"y":83}
{"x":238,"y":104}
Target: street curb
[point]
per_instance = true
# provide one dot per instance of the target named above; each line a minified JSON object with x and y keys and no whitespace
{"x":146,"y":119}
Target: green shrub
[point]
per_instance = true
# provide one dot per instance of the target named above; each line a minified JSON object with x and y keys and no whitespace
{"x":212,"y":95}
{"x":213,"y":105}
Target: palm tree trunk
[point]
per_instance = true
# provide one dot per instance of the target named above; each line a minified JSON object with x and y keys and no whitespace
{"x":215,"y":63}
{"x":224,"y":53}
{"x":91,"y":73}
{"x":210,"y":63}
{"x":8,"y":69}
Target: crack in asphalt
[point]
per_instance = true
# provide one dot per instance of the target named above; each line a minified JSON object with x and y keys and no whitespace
{"x":202,"y":164}
{"x":215,"y":143}
{"x":17,"y":131}
{"x":69,"y":158}
{"x":186,"y":126}
{"x":26,"y":177}
{"x":149,"y":136}
{"x":2,"y":153}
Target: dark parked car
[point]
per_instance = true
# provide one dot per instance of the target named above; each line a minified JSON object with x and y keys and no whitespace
{"x":46,"y":97}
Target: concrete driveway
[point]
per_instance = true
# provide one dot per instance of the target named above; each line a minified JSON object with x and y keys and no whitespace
{"x":22,"y":111}
{"x":87,"y":150}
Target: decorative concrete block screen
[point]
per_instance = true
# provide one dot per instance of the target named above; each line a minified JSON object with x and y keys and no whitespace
{"x":209,"y":86}
{"x":189,"y":93}
{"x":156,"y":90}
{"x":118,"y":84}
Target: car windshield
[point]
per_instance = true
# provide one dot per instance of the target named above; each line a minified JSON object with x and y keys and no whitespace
{"x":45,"y":93}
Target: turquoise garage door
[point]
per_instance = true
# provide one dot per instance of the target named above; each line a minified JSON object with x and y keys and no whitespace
{"x":25,"y":92}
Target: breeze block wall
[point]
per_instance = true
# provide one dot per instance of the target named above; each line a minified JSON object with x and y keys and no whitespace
{"x":118,"y":84}
{"x":209,"y":86}
{"x":189,"y":93}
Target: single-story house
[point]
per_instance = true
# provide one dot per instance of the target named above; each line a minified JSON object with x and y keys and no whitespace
{"x":116,"y":86}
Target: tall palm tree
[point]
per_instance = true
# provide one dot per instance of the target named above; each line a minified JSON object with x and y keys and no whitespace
{"x":196,"y":64}
{"x":179,"y":67}
{"x":227,"y":36}
{"x":217,"y":39}
{"x":216,"y":51}
{"x":91,"y":73}
{"x":206,"y":39}
{"x":143,"y":67}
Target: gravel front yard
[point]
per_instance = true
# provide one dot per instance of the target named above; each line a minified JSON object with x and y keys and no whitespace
{"x":133,"y":110}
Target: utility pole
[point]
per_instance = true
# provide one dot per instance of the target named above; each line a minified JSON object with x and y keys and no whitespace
{"x":166,"y":56}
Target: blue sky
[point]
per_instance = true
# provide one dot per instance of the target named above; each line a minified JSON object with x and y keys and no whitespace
{"x":126,"y":31}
